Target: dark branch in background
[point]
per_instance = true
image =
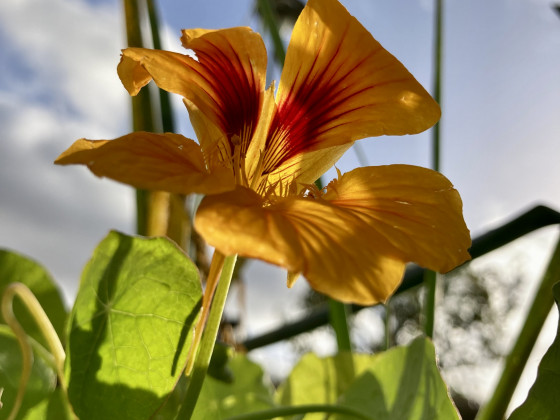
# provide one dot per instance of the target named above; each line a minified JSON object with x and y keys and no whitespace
{"x":532,"y":220}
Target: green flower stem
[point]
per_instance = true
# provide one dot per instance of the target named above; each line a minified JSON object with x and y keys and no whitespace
{"x":388,"y":339}
{"x":430,"y":282}
{"x":301,"y":409}
{"x":141,"y":110}
{"x":338,"y":314}
{"x":269,"y":19}
{"x":46,"y":328}
{"x":516,"y":360}
{"x":202,"y":360}
{"x":430,"y":278}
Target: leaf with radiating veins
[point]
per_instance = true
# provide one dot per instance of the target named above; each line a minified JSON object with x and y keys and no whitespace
{"x":130,"y":327}
{"x":18,"y":268}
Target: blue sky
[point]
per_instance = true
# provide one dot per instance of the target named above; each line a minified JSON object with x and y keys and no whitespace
{"x":500,"y":125}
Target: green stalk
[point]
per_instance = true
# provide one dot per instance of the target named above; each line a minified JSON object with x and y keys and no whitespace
{"x":301,"y":409}
{"x":516,"y":360}
{"x":46,"y":328}
{"x":430,"y":283}
{"x":141,"y":108}
{"x":179,"y":221}
{"x":168,"y":125}
{"x":338,"y":314}
{"x":430,"y":277}
{"x":437,"y":80}
{"x":388,"y":339}
{"x":204,"y":355}
{"x":270,"y":21}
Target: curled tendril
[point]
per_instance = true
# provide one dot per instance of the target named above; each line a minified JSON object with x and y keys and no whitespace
{"x":46,"y":328}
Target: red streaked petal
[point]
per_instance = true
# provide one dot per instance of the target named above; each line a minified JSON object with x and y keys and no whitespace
{"x":166,"y":162}
{"x":339,"y":85}
{"x":225,"y":81}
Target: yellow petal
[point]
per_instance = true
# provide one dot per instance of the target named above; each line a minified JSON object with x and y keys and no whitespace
{"x":312,"y":237}
{"x":354,"y":243}
{"x":416,"y":210}
{"x":167,"y":162}
{"x":339,"y":85}
{"x":225,"y":81}
{"x":306,"y":168}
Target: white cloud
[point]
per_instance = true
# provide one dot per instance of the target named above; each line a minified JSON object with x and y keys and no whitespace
{"x":59,"y":84}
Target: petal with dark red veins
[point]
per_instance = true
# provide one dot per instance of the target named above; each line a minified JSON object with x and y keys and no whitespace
{"x":339,"y":85}
{"x":225,"y":80}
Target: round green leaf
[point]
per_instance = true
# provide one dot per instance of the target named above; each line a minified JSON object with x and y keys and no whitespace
{"x":41,"y":383}
{"x":402,"y":383}
{"x":130,"y":327}
{"x":17,"y":268}
{"x":246,"y":392}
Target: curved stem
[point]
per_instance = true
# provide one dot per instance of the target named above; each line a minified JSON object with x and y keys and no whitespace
{"x":46,"y":328}
{"x":515,"y":362}
{"x":300,"y":409}
{"x":213,"y":307}
{"x":216,"y":266}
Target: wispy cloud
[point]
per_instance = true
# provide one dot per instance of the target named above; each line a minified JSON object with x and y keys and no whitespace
{"x":59,"y":83}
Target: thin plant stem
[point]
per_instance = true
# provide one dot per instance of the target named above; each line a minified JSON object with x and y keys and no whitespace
{"x":142,"y":119}
{"x":202,"y":358}
{"x":430,"y":277}
{"x":177,"y":222}
{"x":430,"y":284}
{"x":301,"y":409}
{"x":516,"y":360}
{"x":338,"y":314}
{"x":214,"y":274}
{"x":269,"y":19}
{"x":388,"y":340}
{"x":46,"y":328}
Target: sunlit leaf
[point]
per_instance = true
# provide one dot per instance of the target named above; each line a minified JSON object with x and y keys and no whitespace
{"x":56,"y":407}
{"x":41,"y":383}
{"x":542,"y":402}
{"x":247,"y":392}
{"x":128,"y":341}
{"x":402,"y":383}
{"x":17,"y":268}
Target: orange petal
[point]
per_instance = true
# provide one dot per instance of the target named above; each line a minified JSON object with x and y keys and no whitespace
{"x":416,"y":210}
{"x":167,"y":162}
{"x":339,"y":85}
{"x":354,"y":244}
{"x":304,"y":236}
{"x":225,"y":81}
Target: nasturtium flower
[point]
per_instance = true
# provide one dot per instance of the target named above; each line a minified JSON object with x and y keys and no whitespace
{"x":259,"y":153}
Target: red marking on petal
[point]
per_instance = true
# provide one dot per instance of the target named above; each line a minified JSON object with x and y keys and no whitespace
{"x":312,"y":110}
{"x":236,"y":92}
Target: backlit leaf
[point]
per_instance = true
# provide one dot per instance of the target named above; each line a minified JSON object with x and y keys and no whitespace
{"x":128,"y":340}
{"x":402,"y":383}
{"x":41,"y":383}
{"x":542,"y":402}
{"x":17,"y":268}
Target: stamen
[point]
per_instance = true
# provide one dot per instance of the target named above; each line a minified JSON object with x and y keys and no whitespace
{"x":236,"y":142}
{"x":258,"y":172}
